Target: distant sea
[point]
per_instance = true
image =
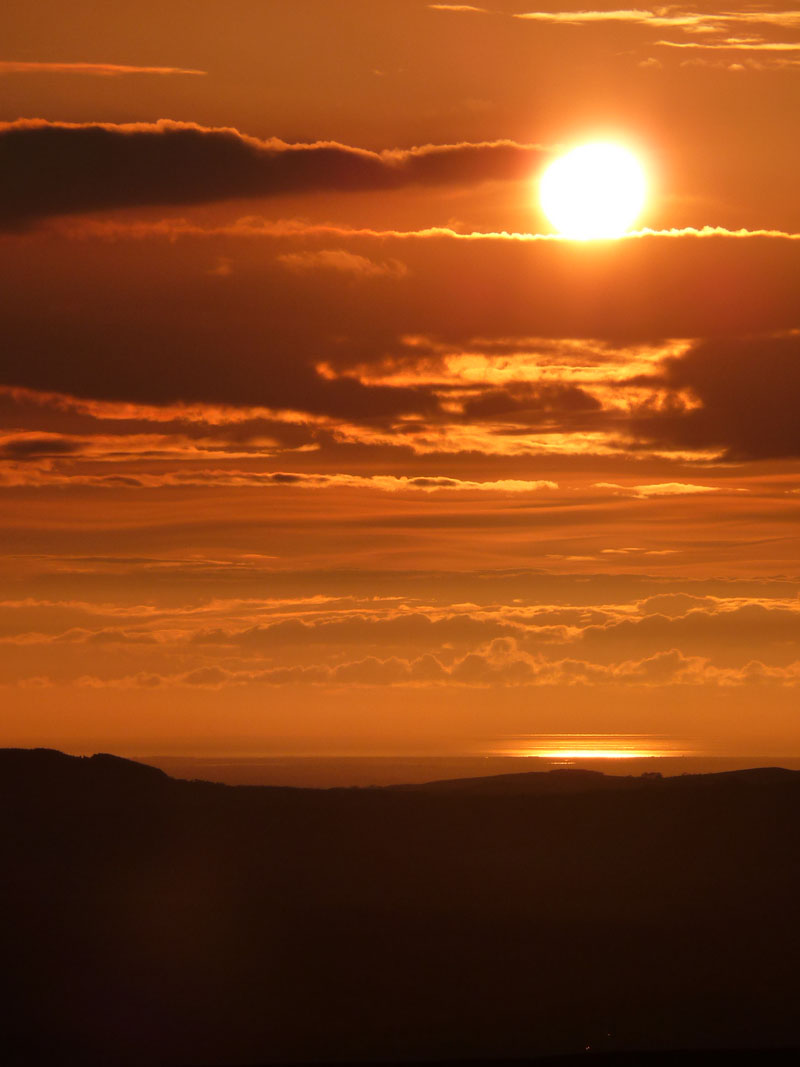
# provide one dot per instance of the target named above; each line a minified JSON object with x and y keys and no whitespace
{"x":325,"y":772}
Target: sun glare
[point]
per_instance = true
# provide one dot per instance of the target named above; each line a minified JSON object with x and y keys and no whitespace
{"x":570,"y":747}
{"x":593,"y":192}
{"x":593,"y":753}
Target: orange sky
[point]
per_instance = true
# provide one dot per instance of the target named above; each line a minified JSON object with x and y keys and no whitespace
{"x":313,"y":437}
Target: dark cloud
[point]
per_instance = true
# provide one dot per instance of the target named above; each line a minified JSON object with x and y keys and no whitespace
{"x":53,"y":168}
{"x":729,"y":634}
{"x":33,"y":447}
{"x":747,"y":388}
{"x":186,"y":338}
{"x":142,"y":322}
{"x":533,"y":405}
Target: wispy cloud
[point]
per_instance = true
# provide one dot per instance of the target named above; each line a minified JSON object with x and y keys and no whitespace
{"x":99,"y":70}
{"x":716,"y":28}
{"x":459,"y":7}
{"x":339,"y":259}
{"x":31,"y":476}
{"x":635,"y":16}
{"x":19,"y":449}
{"x":500,"y":663}
{"x":257,"y":226}
{"x":734,"y":44}
{"x":693,"y":21}
{"x":659,"y":489}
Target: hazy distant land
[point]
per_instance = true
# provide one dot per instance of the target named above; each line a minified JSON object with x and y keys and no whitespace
{"x":317,"y":771}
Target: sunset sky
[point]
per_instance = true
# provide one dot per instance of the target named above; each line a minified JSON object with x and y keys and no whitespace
{"x":316,"y":438}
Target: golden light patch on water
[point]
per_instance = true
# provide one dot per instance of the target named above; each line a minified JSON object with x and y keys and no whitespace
{"x":566,"y":748}
{"x":594,"y":753}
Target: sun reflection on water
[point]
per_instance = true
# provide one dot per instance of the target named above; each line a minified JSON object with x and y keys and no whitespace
{"x":563,"y":749}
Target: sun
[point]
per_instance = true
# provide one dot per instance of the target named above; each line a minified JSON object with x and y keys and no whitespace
{"x":593,"y":192}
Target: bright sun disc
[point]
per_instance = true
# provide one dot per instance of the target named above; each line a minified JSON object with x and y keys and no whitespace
{"x":595,"y":191}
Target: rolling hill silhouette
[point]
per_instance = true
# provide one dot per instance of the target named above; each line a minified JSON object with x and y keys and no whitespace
{"x":148,"y":920}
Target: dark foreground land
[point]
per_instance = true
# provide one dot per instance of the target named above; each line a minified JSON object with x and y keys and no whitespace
{"x":151,"y":921}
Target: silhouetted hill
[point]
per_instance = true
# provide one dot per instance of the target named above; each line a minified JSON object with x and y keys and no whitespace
{"x":575,"y":780}
{"x":154,"y":921}
{"x":28,"y":768}
{"x":565,"y":780}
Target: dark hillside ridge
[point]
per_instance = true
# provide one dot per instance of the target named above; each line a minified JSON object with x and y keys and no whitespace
{"x":574,"y":780}
{"x":673,"y":1058}
{"x":676,"y":1058}
{"x":154,"y":921}
{"x":19,"y":766}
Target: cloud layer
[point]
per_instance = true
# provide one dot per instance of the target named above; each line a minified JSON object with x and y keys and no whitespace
{"x":52,"y":168}
{"x":669,"y":639}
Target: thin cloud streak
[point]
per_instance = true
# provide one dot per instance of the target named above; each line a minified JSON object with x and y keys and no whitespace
{"x":18,"y":476}
{"x":102,"y":70}
{"x":635,"y":16}
{"x":691,"y":21}
{"x":261,"y":227}
{"x":644,"y":492}
{"x":733,"y":45}
{"x":717,"y":28}
{"x":468,"y":8}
